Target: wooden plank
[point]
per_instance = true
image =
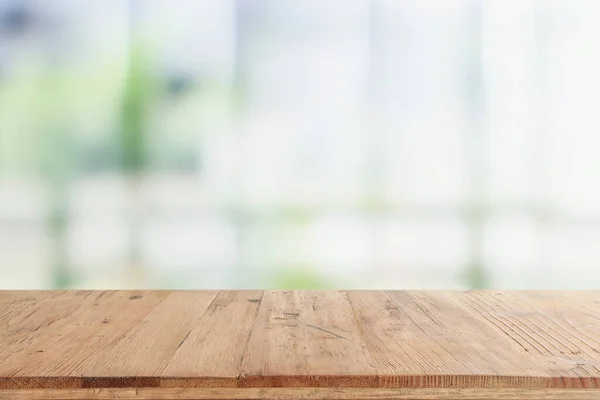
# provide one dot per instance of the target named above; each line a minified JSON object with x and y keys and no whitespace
{"x":30,"y":322}
{"x":30,"y":314}
{"x":483,"y":349}
{"x":541,"y":333}
{"x":396,"y":341}
{"x":436,"y":339}
{"x":302,"y":394}
{"x":73,"y":326}
{"x":306,"y":338}
{"x":575,"y":315}
{"x":212,"y":353}
{"x":143,"y":352}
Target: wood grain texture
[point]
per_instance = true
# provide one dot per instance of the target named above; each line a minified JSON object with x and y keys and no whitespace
{"x":213,"y":352}
{"x":173,"y":343}
{"x":307,"y":338}
{"x":145,"y":349}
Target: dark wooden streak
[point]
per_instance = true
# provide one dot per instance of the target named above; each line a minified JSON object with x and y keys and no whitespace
{"x":120,"y":382}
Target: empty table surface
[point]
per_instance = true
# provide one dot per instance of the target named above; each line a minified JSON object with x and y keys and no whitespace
{"x":299,"y":344}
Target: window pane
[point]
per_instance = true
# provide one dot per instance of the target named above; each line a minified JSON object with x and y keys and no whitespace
{"x":512,"y":251}
{"x":572,"y":91}
{"x":418,"y":253}
{"x":423,"y":61}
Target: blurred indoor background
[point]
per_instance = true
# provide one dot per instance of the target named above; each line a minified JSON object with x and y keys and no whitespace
{"x":299,"y":144}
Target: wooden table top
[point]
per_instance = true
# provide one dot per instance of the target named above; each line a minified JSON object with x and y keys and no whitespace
{"x":535,"y":342}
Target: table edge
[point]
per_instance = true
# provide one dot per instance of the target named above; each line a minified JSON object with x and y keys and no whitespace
{"x":300,"y":393}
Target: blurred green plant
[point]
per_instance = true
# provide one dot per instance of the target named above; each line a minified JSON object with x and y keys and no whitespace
{"x":476,"y":277}
{"x":44,"y":131}
{"x":298,"y":278}
{"x":140,"y":90}
{"x":36,"y":137}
